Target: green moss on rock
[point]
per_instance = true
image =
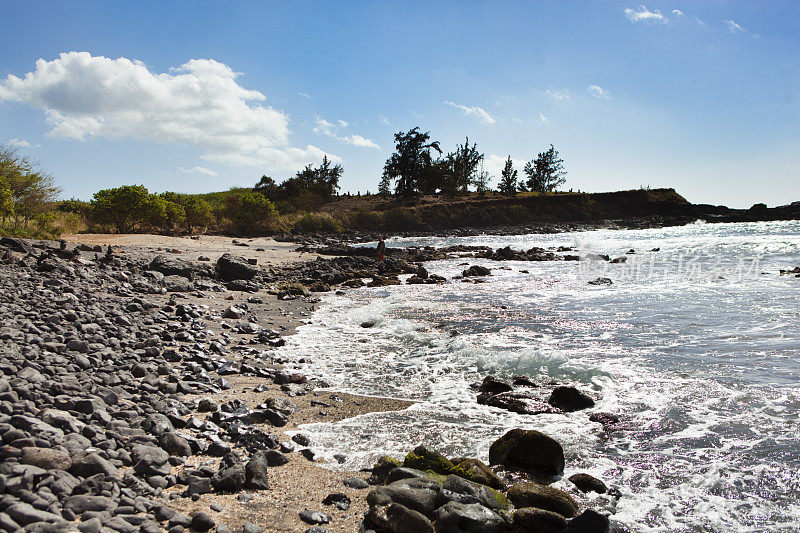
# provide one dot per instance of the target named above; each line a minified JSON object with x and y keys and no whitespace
{"x":477,"y":471}
{"x":425,"y":459}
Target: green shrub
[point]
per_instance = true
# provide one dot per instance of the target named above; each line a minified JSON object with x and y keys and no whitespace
{"x":317,"y":223}
{"x":255,"y":214}
{"x":402,"y":219}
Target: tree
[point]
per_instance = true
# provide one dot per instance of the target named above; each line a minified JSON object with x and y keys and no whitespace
{"x":32,"y":190}
{"x":508,"y":179}
{"x":481,"y":181}
{"x":462,"y":166}
{"x":545,"y":173}
{"x":198,"y":213}
{"x":307,"y":189}
{"x":411,"y":165}
{"x":255,"y":214}
{"x":126,"y":208}
{"x":267,"y":187}
{"x":385,"y":185}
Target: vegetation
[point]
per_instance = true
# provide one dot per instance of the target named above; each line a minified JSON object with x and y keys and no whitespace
{"x":27,"y":196}
{"x":545,"y":173}
{"x":508,"y":179}
{"x":421,"y":189}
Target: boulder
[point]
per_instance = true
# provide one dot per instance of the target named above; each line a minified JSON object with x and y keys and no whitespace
{"x":426,"y":459}
{"x":528,"y":449}
{"x":543,"y":497}
{"x":231,"y":476}
{"x":230,"y":268}
{"x":455,"y":517}
{"x":87,"y":464}
{"x":477,"y":471}
{"x":256,"y":471}
{"x":589,"y":521}
{"x":396,"y":518}
{"x":539,"y":520}
{"x":486,"y":496}
{"x":382,"y":468}
{"x":570,"y":399}
{"x":588,"y":483}
{"x":47,"y":458}
{"x":415,"y":494}
{"x":172,"y":267}
{"x":476,"y":270}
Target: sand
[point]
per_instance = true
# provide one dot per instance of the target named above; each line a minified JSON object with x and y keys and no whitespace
{"x":301,"y":484}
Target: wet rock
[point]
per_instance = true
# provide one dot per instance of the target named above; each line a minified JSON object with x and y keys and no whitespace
{"x":543,"y":497}
{"x":588,"y":483}
{"x":396,"y":518}
{"x":381,"y":469}
{"x":570,"y":399}
{"x":455,"y":517}
{"x":600,"y":281}
{"x":416,"y":493}
{"x":528,"y":450}
{"x":522,"y":402}
{"x":492,"y":385}
{"x":475,"y":271}
{"x":539,"y":520}
{"x":589,"y":521}
{"x":477,"y":493}
{"x":424,"y":458}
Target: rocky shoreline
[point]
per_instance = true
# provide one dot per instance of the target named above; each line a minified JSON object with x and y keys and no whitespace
{"x":140,"y":392}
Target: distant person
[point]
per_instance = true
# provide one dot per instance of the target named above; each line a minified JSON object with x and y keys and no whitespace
{"x":380,"y":250}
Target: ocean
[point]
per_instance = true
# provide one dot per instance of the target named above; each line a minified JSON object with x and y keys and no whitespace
{"x":695,"y":343}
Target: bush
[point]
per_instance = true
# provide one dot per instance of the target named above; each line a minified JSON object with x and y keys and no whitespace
{"x":402,"y":219}
{"x":128,"y":208}
{"x":365,"y":220}
{"x":27,"y":196}
{"x":255,"y":214}
{"x":317,"y":223}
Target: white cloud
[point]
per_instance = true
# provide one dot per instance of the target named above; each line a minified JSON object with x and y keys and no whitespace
{"x":199,"y":170}
{"x":733,"y":27}
{"x":543,"y":119}
{"x":645,"y":16}
{"x":494,"y":164}
{"x":323,"y":127}
{"x":598,"y":92}
{"x":199,"y":103}
{"x":560,"y":95}
{"x":678,"y":13}
{"x":18,"y":143}
{"x":473,"y":111}
{"x":383,"y":120}
{"x":305,"y":95}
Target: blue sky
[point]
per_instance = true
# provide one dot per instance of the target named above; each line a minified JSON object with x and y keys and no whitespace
{"x":199,"y":96}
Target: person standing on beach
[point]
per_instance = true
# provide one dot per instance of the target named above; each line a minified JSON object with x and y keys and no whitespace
{"x":380,"y":250}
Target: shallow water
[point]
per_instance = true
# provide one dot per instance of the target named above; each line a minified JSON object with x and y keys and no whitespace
{"x":696,"y":345}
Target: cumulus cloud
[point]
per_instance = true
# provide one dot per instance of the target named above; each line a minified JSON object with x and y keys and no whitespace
{"x":560,"y":95}
{"x":330,"y":129}
{"x":598,"y":92}
{"x":473,"y":111}
{"x":494,"y":164}
{"x":645,"y":16}
{"x":199,"y":170}
{"x":18,"y":143}
{"x":733,"y":27}
{"x":678,"y":13}
{"x":198,"y":103}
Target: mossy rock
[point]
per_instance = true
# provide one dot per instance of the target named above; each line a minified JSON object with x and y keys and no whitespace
{"x":477,"y":471}
{"x":382,"y":468}
{"x":425,"y":459}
